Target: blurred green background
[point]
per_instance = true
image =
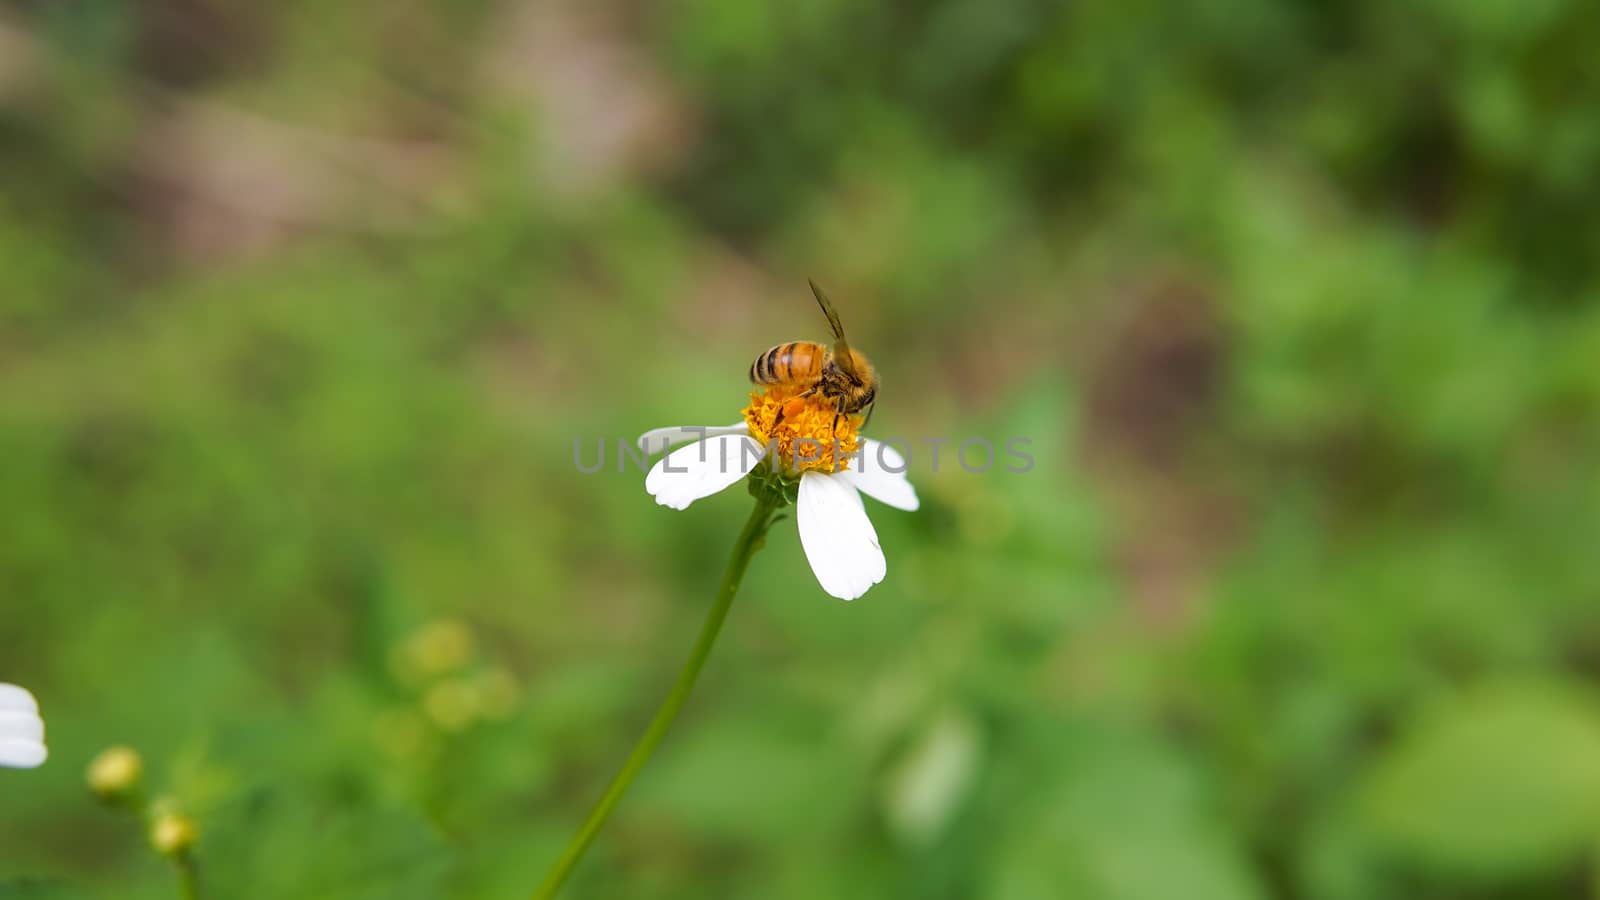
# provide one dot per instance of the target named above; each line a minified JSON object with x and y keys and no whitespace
{"x":302,"y":306}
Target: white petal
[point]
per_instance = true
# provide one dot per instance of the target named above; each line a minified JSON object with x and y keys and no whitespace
{"x":16,"y":699}
{"x":880,"y":473}
{"x":877,"y":454}
{"x":22,"y":754}
{"x":21,"y":726}
{"x":702,"y":469}
{"x":838,"y":538}
{"x":657,"y":440}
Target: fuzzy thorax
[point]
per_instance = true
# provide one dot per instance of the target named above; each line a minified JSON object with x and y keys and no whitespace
{"x":805,"y":434}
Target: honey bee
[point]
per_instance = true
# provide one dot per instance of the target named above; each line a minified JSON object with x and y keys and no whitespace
{"x":840,"y":372}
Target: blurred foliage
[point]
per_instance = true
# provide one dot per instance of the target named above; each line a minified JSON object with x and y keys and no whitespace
{"x":302,"y":307}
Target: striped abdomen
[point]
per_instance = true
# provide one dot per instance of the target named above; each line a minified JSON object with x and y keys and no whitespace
{"x":797,"y":363}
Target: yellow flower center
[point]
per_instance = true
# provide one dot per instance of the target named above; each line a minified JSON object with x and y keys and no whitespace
{"x":803,"y":429}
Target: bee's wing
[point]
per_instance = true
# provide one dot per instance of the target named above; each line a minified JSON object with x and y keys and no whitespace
{"x":841,"y":346}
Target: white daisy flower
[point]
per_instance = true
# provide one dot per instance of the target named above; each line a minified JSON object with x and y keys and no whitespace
{"x":838,"y":538}
{"x":21,"y":729}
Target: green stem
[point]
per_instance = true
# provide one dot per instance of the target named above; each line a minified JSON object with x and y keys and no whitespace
{"x":749,"y":542}
{"x":188,"y":878}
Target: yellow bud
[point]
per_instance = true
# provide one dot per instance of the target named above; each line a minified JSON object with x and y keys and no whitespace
{"x":433,"y":649}
{"x":452,"y":705}
{"x":116,"y":772}
{"x":172,"y":834}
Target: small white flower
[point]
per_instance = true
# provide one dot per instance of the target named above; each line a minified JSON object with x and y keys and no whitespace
{"x":839,"y":540}
{"x":21,"y":729}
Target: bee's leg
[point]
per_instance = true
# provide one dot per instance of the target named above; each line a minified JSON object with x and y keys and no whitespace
{"x":779,"y":417}
{"x":871,"y":408}
{"x":838,"y":414}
